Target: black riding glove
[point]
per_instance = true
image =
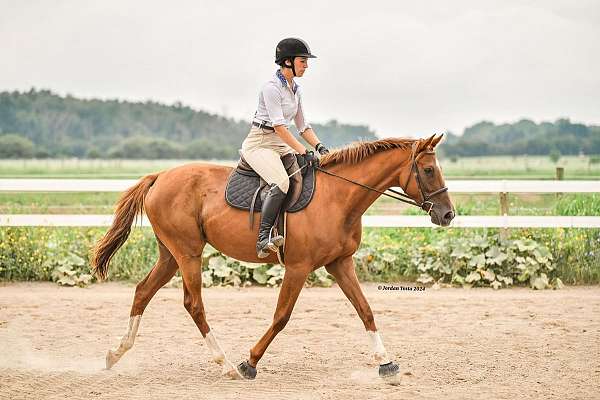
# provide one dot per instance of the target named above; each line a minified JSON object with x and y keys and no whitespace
{"x":310,"y":158}
{"x":321,"y":149}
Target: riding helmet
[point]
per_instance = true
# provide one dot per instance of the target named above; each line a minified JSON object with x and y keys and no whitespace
{"x":292,"y":47}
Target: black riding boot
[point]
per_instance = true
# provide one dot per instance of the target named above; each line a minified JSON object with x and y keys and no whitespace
{"x":270,"y":209}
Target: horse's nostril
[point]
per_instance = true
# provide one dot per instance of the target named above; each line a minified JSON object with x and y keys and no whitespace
{"x":449,"y":216}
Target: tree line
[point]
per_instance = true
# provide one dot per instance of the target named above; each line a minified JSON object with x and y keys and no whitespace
{"x":41,"y":124}
{"x":525,"y":137}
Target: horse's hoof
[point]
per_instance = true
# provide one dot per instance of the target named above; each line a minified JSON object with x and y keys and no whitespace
{"x":111,"y":359}
{"x":246,"y":370}
{"x":389,"y":369}
{"x":230,"y":371}
{"x":219,"y":359}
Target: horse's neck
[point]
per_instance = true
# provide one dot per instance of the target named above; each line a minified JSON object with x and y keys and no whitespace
{"x":379,"y":171}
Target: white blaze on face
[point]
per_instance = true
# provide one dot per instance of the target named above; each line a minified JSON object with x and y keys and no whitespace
{"x":377,"y":347}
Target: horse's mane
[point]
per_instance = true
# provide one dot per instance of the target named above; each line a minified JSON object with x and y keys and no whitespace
{"x":357,"y":151}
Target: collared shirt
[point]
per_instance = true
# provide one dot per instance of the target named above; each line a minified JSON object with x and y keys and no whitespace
{"x":279,"y":104}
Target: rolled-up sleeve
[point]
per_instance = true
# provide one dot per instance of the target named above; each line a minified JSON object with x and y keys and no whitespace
{"x":272,"y":98}
{"x":300,"y":118}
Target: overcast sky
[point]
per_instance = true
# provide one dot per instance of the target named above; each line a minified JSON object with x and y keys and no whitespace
{"x":405,"y":68}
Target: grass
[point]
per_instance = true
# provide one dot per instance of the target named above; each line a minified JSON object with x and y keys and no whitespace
{"x":500,"y":167}
{"x":58,"y":203}
{"x":90,"y":169}
{"x":489,"y":204}
{"x":478,"y":204}
{"x":519,"y":167}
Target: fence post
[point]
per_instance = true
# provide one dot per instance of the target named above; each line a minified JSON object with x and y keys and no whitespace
{"x":504,"y":212}
{"x":560,"y":174}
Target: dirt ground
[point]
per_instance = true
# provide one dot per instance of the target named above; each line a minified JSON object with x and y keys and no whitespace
{"x":449,"y":343}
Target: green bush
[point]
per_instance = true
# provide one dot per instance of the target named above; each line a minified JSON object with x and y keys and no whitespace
{"x":452,"y":255}
{"x":15,"y":146}
{"x":574,"y":252}
{"x":142,"y":147}
{"x":486,"y":261}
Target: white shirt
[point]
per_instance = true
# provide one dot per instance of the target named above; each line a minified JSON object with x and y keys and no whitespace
{"x":278,"y":103}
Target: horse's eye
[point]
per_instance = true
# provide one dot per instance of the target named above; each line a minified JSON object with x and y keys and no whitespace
{"x":429,"y":171}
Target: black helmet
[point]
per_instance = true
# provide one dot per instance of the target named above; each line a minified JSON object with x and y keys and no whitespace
{"x":292,"y":47}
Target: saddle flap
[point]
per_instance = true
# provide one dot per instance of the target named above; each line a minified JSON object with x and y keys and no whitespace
{"x":243,"y":183}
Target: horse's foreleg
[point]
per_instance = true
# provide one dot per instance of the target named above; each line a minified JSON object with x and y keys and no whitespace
{"x":159,"y":275}
{"x":343,"y":271}
{"x":292,"y":284}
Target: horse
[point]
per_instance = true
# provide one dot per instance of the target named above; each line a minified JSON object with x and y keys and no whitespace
{"x":186,"y":208}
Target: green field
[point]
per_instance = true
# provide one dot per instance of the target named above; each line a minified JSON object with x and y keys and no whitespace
{"x":463,"y":168}
{"x":466,"y":204}
{"x":90,"y":169}
{"x":519,"y":167}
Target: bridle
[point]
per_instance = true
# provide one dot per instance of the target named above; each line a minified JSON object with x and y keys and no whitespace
{"x":414,"y":169}
{"x":426,"y":204}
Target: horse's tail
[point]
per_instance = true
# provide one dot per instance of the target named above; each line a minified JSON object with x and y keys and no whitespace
{"x":130,"y":204}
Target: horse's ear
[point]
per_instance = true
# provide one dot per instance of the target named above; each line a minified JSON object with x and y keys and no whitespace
{"x":424,"y":143}
{"x":437,"y":140}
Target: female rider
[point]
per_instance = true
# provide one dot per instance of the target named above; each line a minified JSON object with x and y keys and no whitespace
{"x":269,"y":139}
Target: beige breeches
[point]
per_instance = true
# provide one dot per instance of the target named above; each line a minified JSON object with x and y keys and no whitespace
{"x":263,"y":151}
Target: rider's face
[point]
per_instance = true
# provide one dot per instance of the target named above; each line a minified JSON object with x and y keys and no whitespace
{"x":300,"y":64}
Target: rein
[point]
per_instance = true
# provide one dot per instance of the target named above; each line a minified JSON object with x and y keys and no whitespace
{"x":403,"y":197}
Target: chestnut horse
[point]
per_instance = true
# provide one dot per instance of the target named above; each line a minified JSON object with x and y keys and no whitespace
{"x":186,"y":207}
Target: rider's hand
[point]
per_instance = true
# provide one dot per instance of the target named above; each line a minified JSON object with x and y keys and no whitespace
{"x":321,"y":149}
{"x":311,"y":159}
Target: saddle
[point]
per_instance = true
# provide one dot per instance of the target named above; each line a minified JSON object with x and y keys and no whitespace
{"x":246,"y":190}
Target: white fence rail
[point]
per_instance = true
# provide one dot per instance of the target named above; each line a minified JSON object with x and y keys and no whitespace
{"x":455,"y":186}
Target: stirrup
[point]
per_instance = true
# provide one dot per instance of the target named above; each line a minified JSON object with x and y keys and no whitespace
{"x":276,"y":240}
{"x":266,"y":250}
{"x":262,"y":253}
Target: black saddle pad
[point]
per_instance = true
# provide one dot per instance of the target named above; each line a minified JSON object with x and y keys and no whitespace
{"x":242,"y":185}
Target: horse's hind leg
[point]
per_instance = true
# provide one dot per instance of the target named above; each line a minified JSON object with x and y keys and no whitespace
{"x":159,"y":275}
{"x":191,"y":271}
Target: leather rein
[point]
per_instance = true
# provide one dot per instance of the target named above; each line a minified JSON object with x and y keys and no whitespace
{"x":426,"y":204}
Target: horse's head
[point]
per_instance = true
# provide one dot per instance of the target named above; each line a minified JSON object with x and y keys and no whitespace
{"x":422,"y":180}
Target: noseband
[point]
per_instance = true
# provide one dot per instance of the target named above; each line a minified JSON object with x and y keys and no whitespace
{"x":426,"y":204}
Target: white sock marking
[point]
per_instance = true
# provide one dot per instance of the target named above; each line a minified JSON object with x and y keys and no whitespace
{"x":126,"y":342}
{"x":377,"y":347}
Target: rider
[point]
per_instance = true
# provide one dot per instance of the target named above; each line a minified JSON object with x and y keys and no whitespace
{"x":269,"y":139}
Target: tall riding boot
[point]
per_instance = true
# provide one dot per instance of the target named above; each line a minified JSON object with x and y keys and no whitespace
{"x":270,"y":209}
